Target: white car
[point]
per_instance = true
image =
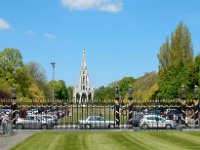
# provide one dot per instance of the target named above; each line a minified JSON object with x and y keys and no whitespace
{"x":96,"y":122}
{"x":33,"y":122}
{"x":156,"y":121}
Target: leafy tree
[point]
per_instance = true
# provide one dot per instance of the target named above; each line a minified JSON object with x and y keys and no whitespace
{"x":60,"y":89}
{"x":38,"y":76}
{"x":145,"y":86}
{"x":124,"y":84}
{"x":70,"y":90}
{"x":175,"y":60}
{"x":12,"y":71}
{"x":34,"y":93}
{"x":104,"y":94}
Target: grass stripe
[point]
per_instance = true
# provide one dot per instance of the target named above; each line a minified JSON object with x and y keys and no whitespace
{"x":112,"y":140}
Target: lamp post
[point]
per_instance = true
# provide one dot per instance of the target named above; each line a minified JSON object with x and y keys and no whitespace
{"x":196,"y":92}
{"x":53,"y":65}
{"x":117,"y":105}
{"x":14,"y":91}
{"x":183,"y":92}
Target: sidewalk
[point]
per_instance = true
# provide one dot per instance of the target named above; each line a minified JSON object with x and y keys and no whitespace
{"x":10,"y":141}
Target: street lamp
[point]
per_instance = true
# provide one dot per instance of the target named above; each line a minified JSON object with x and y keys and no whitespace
{"x":130,"y":91}
{"x":116,"y":90}
{"x":53,"y":65}
{"x":14,"y":91}
{"x":183,"y":92}
{"x":195,"y":91}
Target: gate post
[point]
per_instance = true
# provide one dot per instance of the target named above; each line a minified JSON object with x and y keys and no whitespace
{"x":183,"y":103}
{"x":196,"y":106}
{"x":117,"y":106}
{"x":130,"y":109}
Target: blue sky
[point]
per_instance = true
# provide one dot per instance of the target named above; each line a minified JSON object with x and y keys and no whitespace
{"x":121,"y":37}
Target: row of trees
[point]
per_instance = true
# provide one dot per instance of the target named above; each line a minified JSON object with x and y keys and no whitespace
{"x":178,"y":67}
{"x":30,"y":79}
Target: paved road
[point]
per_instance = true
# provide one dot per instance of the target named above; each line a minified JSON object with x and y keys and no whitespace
{"x":10,"y":141}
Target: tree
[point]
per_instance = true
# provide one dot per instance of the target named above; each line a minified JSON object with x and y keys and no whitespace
{"x":104,"y":94}
{"x":145,"y":86}
{"x":60,"y":89}
{"x":38,"y":76}
{"x":70,"y":90}
{"x":124,"y":84}
{"x":12,"y":71}
{"x":175,"y":59}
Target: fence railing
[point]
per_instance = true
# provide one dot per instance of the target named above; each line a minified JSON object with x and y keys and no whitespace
{"x":107,"y":114}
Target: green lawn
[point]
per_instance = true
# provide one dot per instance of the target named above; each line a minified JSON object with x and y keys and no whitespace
{"x":112,"y":140}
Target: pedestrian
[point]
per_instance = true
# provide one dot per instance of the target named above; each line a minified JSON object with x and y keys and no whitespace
{"x":5,"y":119}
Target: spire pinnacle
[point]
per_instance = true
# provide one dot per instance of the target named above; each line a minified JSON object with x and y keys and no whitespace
{"x":84,"y":59}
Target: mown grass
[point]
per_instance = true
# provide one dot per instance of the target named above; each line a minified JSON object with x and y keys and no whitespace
{"x":112,"y":140}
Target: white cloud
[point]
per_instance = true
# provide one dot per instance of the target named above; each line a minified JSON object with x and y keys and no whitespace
{"x":49,"y":36}
{"x":112,"y":7}
{"x":4,"y":25}
{"x":102,"y":5}
{"x":29,"y":33}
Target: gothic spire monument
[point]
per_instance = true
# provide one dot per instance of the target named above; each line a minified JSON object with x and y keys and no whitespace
{"x":83,"y":92}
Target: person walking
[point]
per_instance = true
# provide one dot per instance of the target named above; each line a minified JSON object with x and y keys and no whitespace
{"x":5,"y":119}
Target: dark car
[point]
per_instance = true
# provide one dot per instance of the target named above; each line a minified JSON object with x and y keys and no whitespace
{"x":136,"y":119}
{"x":155,"y":111}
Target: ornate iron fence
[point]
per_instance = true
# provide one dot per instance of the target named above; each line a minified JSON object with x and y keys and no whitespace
{"x":107,"y":114}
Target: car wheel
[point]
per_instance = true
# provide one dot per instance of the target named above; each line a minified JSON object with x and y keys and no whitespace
{"x":87,"y":126}
{"x":111,"y":126}
{"x":144,"y":126}
{"x":19,"y":126}
{"x":168,"y":127}
{"x":44,"y":127}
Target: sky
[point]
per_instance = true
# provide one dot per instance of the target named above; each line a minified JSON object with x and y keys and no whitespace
{"x":121,"y":37}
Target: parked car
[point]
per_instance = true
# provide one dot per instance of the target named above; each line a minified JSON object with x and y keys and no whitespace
{"x":47,"y":117}
{"x":32,"y":111}
{"x":172,"y":111}
{"x":52,"y":118}
{"x":155,"y":121}
{"x":33,"y":122}
{"x":96,"y":122}
{"x":155,"y":111}
{"x":6,"y":110}
{"x":136,"y":119}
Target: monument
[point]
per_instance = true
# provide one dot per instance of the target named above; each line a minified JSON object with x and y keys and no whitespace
{"x":83,"y":91}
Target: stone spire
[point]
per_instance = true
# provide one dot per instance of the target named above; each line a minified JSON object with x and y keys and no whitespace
{"x":84,"y":64}
{"x":83,"y":92}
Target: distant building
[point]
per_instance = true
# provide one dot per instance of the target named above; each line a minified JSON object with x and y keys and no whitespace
{"x":83,"y":92}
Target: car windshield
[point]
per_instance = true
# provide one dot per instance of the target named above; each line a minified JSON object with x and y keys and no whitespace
{"x":96,"y":118}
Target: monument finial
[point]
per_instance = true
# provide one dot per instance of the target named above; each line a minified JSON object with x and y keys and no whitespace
{"x":84,"y":59}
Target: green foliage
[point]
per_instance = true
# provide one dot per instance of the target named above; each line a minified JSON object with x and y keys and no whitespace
{"x":107,"y":93}
{"x":124,"y":84}
{"x":12,"y":71}
{"x":176,"y":64}
{"x":142,"y":86}
{"x":38,"y":78}
{"x":104,"y":93}
{"x":60,"y":89}
{"x":70,"y":91}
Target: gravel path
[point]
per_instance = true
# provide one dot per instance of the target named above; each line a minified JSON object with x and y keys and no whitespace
{"x":7,"y":142}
